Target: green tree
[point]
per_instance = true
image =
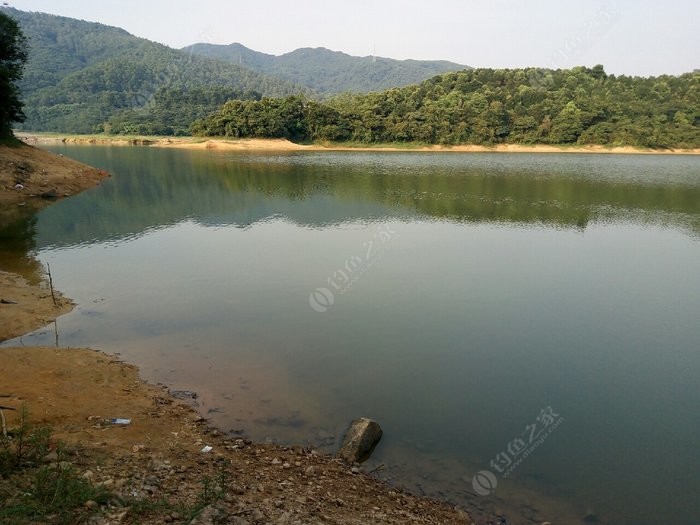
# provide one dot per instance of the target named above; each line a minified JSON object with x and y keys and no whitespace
{"x":13,"y":56}
{"x":567,"y":125}
{"x":580,"y":105}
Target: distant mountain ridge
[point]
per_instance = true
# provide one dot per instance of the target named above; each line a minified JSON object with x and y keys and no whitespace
{"x":329,"y":72}
{"x":86,"y":77}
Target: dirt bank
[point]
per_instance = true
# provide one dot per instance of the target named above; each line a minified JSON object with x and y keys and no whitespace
{"x":157,"y":459}
{"x":285,"y":145}
{"x":33,"y":177}
{"x":25,"y":307}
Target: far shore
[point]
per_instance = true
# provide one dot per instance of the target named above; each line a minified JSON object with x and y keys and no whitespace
{"x":262,"y":145}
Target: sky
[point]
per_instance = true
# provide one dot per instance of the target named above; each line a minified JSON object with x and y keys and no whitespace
{"x":642,"y":37}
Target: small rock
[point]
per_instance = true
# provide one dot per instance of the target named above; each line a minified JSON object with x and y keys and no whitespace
{"x":185,"y":395}
{"x":355,"y":470}
{"x":360,"y":440}
{"x":310,"y":471}
{"x":206,"y":516}
{"x":91,"y":504}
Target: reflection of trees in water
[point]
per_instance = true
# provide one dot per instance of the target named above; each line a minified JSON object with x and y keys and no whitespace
{"x":17,"y":242}
{"x":242,"y":190}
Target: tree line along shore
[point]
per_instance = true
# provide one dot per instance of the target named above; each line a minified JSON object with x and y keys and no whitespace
{"x":479,"y":107}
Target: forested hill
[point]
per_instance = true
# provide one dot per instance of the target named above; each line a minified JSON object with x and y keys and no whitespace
{"x":486,"y":106}
{"x":85,"y":77}
{"x":328,"y":72}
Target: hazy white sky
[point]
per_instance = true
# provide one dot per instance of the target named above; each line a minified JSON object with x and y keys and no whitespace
{"x":642,"y":37}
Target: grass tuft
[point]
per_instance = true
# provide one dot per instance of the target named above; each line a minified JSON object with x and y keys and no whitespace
{"x":37,"y":491}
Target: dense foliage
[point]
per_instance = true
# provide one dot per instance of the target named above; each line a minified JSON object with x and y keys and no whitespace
{"x":84,"y":77}
{"x":486,"y":106}
{"x":13,"y":55}
{"x":172,"y":110}
{"x":121,"y":94}
{"x":327,"y":72}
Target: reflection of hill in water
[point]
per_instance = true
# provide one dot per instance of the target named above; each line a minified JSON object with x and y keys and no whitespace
{"x":317,"y":190}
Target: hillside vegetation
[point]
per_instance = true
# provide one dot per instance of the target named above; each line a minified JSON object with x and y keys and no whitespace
{"x":329,"y":72}
{"x":85,"y":77}
{"x":485,"y":106}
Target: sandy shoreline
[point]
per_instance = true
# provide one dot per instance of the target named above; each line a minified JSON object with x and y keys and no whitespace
{"x":157,"y":458}
{"x":284,"y":145}
{"x":154,"y":467}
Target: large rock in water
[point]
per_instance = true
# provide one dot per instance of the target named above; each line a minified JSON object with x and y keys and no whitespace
{"x":360,"y":440}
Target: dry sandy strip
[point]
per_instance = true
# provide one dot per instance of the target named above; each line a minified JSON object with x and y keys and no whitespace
{"x":25,"y":307}
{"x":282,"y":145}
{"x":285,"y":145}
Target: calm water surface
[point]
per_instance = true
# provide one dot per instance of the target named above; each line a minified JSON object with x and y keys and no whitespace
{"x":455,"y":298}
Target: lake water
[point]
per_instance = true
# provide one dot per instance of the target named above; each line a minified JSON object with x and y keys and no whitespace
{"x":537,"y":313}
